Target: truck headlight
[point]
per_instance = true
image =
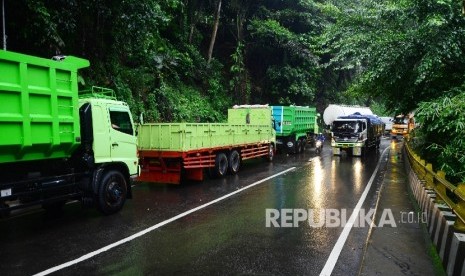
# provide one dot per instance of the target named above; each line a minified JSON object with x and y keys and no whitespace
{"x":290,"y":144}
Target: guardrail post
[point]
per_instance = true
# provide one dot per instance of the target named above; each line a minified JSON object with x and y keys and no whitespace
{"x":421,"y":168}
{"x":429,"y":177}
{"x":440,"y":189}
{"x":460,"y":207}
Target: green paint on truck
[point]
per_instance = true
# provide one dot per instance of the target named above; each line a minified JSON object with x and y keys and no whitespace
{"x":295,"y":126}
{"x":39,"y":116}
{"x":58,"y":144}
{"x":170,"y":152}
{"x":183,"y":137}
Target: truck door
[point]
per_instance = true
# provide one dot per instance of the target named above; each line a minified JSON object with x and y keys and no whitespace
{"x":123,"y":142}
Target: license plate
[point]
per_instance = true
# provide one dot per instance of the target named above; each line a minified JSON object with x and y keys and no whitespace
{"x":5,"y":193}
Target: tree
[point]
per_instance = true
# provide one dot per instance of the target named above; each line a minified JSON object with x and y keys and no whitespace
{"x":214,"y":31}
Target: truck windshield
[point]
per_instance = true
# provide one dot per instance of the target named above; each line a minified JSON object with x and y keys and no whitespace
{"x":347,"y":126}
{"x":121,"y":121}
{"x":400,"y":121}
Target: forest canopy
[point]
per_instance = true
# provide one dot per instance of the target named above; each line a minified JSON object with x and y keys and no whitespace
{"x":189,"y":60}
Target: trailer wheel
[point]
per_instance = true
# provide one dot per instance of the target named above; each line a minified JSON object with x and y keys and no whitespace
{"x":234,"y":162}
{"x":112,"y":192}
{"x":221,"y":165}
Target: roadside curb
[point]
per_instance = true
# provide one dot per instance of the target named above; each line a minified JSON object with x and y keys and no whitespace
{"x":449,"y":244}
{"x":401,"y":249}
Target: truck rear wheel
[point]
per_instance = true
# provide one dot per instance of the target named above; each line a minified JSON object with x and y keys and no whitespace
{"x":234,"y":162}
{"x":112,"y":192}
{"x":298,"y":146}
{"x":221,"y":165}
{"x":303,"y":143}
{"x":270,"y":155}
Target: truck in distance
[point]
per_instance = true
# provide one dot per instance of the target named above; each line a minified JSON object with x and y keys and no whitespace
{"x":387,"y":124}
{"x":402,"y":125}
{"x":295,"y":127}
{"x":172,"y":152}
{"x":61,"y":145}
{"x":356,"y":133}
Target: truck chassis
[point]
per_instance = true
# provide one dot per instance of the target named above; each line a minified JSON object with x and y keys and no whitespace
{"x":172,"y":166}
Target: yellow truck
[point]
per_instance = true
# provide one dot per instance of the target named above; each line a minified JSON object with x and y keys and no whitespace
{"x":402,"y":125}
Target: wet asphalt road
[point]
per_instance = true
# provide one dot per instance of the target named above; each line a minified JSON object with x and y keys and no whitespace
{"x":227,"y":237}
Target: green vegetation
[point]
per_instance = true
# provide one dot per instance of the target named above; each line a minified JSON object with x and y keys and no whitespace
{"x":189,"y":60}
{"x":440,"y":138}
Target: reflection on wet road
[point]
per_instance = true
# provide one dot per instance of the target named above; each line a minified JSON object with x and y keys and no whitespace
{"x":220,"y":228}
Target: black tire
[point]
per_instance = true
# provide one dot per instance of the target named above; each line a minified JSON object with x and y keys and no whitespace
{"x":303,"y":143}
{"x":292,"y":149}
{"x":221,"y":165}
{"x":298,"y":146}
{"x":112,"y":192}
{"x":365,"y":149}
{"x":234,"y":162}
{"x":270,"y":155}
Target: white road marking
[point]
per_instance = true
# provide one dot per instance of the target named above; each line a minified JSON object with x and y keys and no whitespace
{"x":156,"y":226}
{"x":334,"y":256}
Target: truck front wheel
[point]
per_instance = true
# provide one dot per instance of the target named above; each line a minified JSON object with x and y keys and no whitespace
{"x":112,"y":192}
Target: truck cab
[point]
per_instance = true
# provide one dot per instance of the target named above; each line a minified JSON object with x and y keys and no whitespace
{"x":399,"y":126}
{"x":113,"y":132}
{"x":356,"y":133}
{"x":62,"y":143}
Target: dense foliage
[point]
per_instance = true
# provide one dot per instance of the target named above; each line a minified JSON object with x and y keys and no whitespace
{"x":440,"y":137}
{"x":183,"y":60}
{"x":189,"y":60}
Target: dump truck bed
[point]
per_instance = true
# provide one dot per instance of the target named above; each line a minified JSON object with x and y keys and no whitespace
{"x":39,"y":116}
{"x":294,"y":119}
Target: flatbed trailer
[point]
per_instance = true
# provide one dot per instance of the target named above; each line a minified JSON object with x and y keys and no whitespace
{"x":170,"y":152}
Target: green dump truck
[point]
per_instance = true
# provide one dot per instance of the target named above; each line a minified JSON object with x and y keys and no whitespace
{"x":170,"y":152}
{"x":295,"y":127}
{"x":57,"y":144}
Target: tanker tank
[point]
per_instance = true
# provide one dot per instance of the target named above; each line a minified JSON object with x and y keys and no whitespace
{"x":333,"y":111}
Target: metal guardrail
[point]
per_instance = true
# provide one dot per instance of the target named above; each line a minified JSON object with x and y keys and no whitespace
{"x":98,"y":92}
{"x":448,"y":193}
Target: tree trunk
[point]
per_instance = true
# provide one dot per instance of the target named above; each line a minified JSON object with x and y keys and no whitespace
{"x":215,"y":29}
{"x":191,"y":32}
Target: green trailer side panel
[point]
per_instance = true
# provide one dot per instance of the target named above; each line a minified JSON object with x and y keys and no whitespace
{"x":250,"y":115}
{"x":191,"y":136}
{"x":39,"y":116}
{"x":294,"y":119}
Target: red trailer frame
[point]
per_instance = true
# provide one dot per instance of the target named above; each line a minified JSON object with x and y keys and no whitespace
{"x":173,"y":166}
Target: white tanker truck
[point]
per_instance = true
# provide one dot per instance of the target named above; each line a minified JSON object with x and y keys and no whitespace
{"x":354,"y":129}
{"x":335,"y":110}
